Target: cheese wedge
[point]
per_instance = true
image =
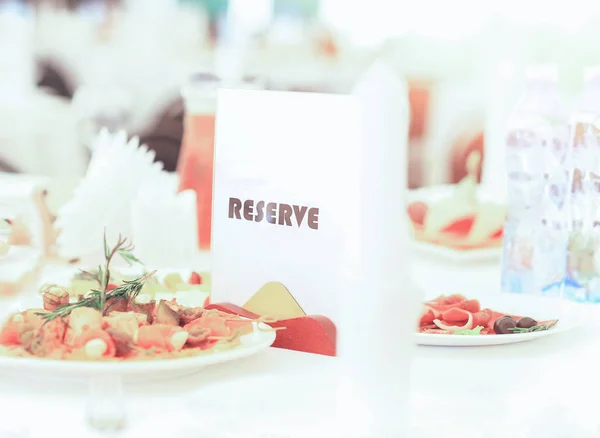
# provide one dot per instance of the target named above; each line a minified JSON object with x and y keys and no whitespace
{"x":274,"y":300}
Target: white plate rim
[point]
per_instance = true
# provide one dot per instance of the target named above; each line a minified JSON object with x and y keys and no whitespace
{"x":435,"y":340}
{"x":455,"y":254}
{"x":443,"y":190}
{"x":252,"y":343}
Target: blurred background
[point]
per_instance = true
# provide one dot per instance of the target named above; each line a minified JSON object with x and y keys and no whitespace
{"x":69,"y":67}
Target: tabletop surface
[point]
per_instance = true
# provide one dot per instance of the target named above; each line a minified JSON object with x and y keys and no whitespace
{"x":469,"y":392}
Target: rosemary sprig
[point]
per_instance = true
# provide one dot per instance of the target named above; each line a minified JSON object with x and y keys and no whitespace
{"x":535,"y":328}
{"x":91,"y":275}
{"x":128,"y":290}
{"x":96,"y":299}
{"x":124,"y":249}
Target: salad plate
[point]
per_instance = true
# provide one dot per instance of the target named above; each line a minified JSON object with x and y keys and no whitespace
{"x":462,"y":223}
{"x":546,"y":316}
{"x":103,"y":326}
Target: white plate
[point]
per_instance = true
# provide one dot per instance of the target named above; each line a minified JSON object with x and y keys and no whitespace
{"x":539,"y":308}
{"x":252,"y":343}
{"x":435,"y":193}
{"x":455,"y":255}
{"x":438,"y":192}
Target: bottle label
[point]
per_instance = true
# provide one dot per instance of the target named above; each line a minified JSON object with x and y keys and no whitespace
{"x":583,"y":253}
{"x":538,"y":185}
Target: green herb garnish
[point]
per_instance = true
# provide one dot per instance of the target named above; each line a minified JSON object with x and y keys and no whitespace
{"x":93,"y":275}
{"x":475,"y":331}
{"x":125,"y":250}
{"x":128,"y":290}
{"x":535,"y":328}
{"x":96,"y":299}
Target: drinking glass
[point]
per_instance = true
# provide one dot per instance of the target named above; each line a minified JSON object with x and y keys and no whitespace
{"x":105,"y":410}
{"x":196,"y":158}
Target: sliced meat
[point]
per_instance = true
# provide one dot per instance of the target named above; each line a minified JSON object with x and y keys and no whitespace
{"x":472,"y":306}
{"x":146,"y":309}
{"x":443,"y":303}
{"x":456,"y":315}
{"x":482,"y":318}
{"x":116,"y":305}
{"x":165,"y":314}
{"x":212,"y":321}
{"x":189,"y":314}
{"x":126,"y":322}
{"x":122,"y":340}
{"x":438,"y":309}
{"x":427,"y":317}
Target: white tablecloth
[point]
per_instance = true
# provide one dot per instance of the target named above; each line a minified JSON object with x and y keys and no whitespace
{"x":544,"y":387}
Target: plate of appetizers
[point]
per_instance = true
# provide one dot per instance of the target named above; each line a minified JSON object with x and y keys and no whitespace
{"x":112,"y":330}
{"x":447,"y":221}
{"x":457,"y":220}
{"x":456,"y":320}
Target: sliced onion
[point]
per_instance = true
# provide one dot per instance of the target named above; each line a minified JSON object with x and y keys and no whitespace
{"x":453,"y":328}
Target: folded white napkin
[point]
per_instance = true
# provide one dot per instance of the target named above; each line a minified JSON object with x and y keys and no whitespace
{"x":117,"y":171}
{"x":164,"y":224}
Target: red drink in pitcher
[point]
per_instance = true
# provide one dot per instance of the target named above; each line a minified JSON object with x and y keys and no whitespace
{"x":196,"y":158}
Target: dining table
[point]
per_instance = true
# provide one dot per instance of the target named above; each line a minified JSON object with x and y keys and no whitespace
{"x":542,"y":388}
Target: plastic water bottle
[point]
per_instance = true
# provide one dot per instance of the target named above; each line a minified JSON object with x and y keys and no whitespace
{"x":583,"y":257}
{"x":535,"y":232}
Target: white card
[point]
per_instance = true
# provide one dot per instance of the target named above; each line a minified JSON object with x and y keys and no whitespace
{"x":285,"y":204}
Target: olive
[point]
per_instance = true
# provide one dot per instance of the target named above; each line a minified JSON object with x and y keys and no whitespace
{"x":526,"y":322}
{"x":503,"y":325}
